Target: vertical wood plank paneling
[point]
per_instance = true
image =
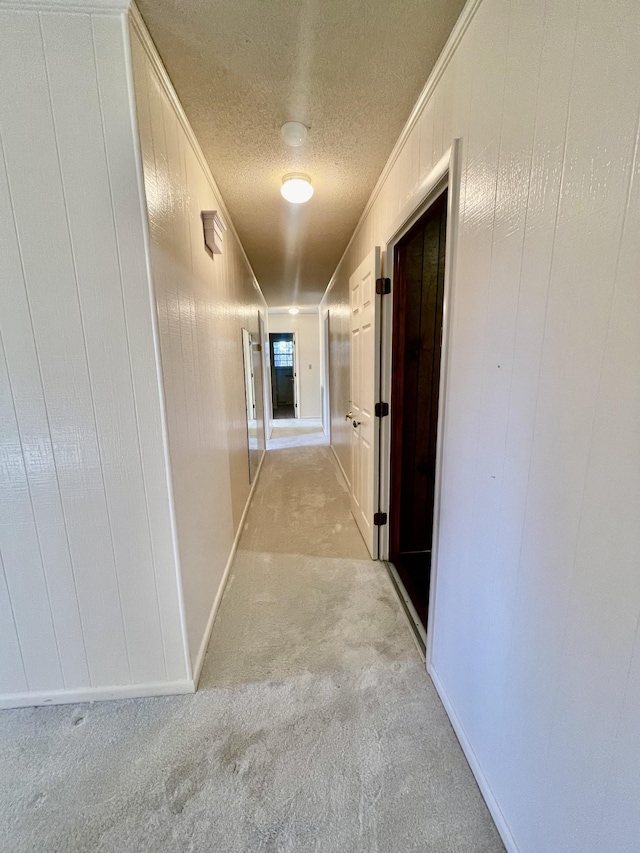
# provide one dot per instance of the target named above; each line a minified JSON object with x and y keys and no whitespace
{"x":457,"y":83}
{"x":509,"y":217}
{"x":424,"y":132}
{"x":161,"y":231}
{"x":110,"y":37}
{"x":619,"y":814}
{"x":79,"y":131}
{"x":410,"y":167}
{"x":544,"y":188}
{"x":538,"y":606}
{"x":21,"y":557}
{"x":594,"y":184}
{"x":28,"y":404}
{"x":12,"y":672}
{"x":616,"y":482}
{"x":188,"y":237}
{"x":470,"y":333}
{"x":438,"y":123}
{"x":89,"y":595}
{"x":597,"y":623}
{"x":202,"y":304}
{"x":32,"y":161}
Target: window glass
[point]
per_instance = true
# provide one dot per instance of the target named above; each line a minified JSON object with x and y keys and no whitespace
{"x":283,"y":353}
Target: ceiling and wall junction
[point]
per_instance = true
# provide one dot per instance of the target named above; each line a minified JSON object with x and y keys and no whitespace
{"x":349,"y":70}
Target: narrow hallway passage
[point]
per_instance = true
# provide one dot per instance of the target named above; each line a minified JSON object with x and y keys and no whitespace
{"x":315,"y":727}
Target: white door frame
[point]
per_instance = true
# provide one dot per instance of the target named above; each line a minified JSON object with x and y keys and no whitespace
{"x":263,"y":336}
{"x":296,"y":377}
{"x":326,"y":400}
{"x":445,"y":175}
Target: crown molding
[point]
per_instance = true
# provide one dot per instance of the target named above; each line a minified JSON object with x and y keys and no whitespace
{"x":448,"y":51}
{"x":111,"y":7}
{"x":140,"y":28}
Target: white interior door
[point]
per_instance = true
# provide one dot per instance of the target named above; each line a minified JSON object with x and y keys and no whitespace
{"x":364,"y":376}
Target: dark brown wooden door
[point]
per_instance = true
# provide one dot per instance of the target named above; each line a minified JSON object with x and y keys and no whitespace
{"x":417,"y":337}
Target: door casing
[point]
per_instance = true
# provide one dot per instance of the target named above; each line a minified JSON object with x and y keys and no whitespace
{"x":295,"y":369}
{"x":446,"y":174}
{"x":326,"y":369}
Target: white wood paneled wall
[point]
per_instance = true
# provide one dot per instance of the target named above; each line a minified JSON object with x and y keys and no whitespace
{"x":203,"y":303}
{"x":89,"y":598}
{"x":537,"y":650}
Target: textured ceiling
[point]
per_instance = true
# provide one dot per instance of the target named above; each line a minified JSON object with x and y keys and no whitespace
{"x":351,"y":70}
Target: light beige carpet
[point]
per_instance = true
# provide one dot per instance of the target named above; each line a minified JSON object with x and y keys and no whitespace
{"x":316,"y":728}
{"x":291,"y":432}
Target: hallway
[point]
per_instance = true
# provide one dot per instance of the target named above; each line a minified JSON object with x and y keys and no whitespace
{"x":290,"y":432}
{"x":315,"y":727}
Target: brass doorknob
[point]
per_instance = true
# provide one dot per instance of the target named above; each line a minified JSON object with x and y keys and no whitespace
{"x":348,"y":416}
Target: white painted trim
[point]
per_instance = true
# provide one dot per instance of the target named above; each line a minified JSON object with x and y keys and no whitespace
{"x":445,"y":175}
{"x":146,"y":236}
{"x":483,"y":783}
{"x":453,"y":209}
{"x":202,"y":651}
{"x":325,"y":344}
{"x":95,"y":694}
{"x":266,"y":375}
{"x":136,"y":691}
{"x":139,"y":26}
{"x":342,"y":471}
{"x":448,"y":51}
{"x":74,"y":7}
{"x":428,"y":185}
{"x":296,"y":376}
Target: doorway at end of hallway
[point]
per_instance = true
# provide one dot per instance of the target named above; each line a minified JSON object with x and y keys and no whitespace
{"x":283,"y":375}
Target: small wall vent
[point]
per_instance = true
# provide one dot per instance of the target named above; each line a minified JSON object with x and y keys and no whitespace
{"x":214,"y":229}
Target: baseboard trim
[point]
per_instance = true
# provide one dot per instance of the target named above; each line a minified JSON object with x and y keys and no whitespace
{"x":344,"y":473}
{"x":95,"y":694}
{"x":202,"y":651}
{"x":139,"y":691}
{"x":485,"y":788}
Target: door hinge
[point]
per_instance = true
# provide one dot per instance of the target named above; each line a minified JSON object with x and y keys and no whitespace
{"x":383,"y":286}
{"x":382,"y":410}
{"x":379,"y":518}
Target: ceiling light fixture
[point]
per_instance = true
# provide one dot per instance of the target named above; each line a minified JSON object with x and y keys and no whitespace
{"x":294,"y":310}
{"x":294,"y":133}
{"x":296,"y":188}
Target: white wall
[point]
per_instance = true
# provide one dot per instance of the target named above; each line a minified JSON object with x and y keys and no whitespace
{"x":308,"y":354}
{"x":203,"y":303}
{"x":89,"y":603}
{"x":536,"y":643}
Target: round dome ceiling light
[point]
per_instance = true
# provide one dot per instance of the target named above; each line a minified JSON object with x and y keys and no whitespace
{"x":294,"y":133}
{"x":296,"y":188}
{"x":294,"y":310}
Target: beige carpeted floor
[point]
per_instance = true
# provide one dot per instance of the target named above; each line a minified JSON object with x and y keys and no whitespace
{"x":290,"y":432}
{"x":315,"y":730}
